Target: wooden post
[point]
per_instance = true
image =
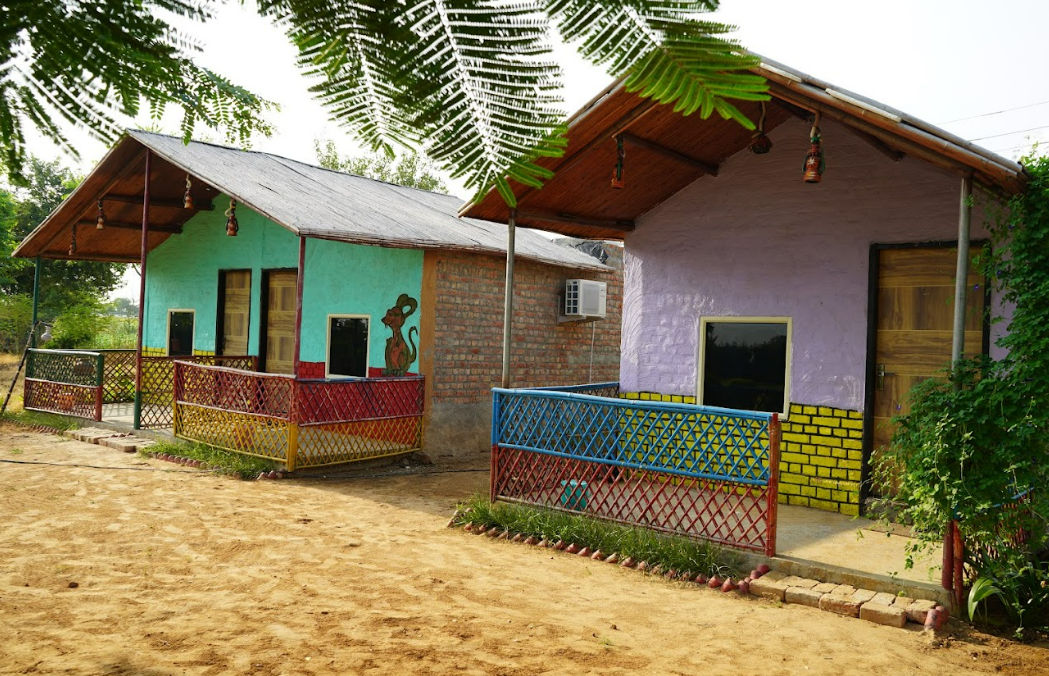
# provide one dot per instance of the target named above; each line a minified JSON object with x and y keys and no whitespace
{"x":961,"y":274}
{"x":508,"y":307}
{"x":772,"y":489}
{"x":143,"y":250}
{"x":300,"y":274}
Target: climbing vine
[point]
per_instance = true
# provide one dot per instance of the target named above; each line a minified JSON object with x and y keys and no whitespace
{"x":975,"y":445}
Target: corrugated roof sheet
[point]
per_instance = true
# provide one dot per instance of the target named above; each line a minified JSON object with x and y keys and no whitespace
{"x":317,"y":202}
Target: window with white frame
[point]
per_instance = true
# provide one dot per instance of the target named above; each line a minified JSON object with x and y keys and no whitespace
{"x":180,"y":332}
{"x":744,"y":363}
{"x":347,"y":354}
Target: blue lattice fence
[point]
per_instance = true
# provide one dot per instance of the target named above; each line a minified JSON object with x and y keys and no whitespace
{"x":689,"y":470}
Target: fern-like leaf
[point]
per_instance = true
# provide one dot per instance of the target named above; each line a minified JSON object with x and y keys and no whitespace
{"x":666,"y":51}
{"x":92,"y":65}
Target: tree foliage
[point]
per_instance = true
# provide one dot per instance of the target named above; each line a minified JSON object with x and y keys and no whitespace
{"x":86,"y":62}
{"x":472,"y":81}
{"x":408,"y":169}
{"x":974,"y":446}
{"x":65,"y":286}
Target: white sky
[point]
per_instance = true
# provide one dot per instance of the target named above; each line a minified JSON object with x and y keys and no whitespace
{"x":954,"y":63}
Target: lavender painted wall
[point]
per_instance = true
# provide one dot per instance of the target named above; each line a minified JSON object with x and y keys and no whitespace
{"x":758,"y":241}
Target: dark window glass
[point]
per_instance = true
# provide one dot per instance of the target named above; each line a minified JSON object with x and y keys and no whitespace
{"x":745,"y":365}
{"x":348,"y":346}
{"x":180,"y":334}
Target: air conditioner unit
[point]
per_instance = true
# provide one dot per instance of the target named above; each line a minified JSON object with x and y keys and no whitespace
{"x":584,"y":299}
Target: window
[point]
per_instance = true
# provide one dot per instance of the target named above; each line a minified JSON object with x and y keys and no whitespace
{"x":347,"y":346}
{"x":744,"y":363}
{"x":180,"y":333}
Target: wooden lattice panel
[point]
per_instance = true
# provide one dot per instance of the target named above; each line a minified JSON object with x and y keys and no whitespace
{"x":256,"y":435}
{"x":82,"y":401}
{"x":118,"y":376}
{"x":689,"y":470}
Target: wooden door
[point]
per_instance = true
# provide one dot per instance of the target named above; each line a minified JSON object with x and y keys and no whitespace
{"x":280,"y":321}
{"x":234,"y":311}
{"x":914,"y":330}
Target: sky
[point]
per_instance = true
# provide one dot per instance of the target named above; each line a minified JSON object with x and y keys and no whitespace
{"x":975,"y":68}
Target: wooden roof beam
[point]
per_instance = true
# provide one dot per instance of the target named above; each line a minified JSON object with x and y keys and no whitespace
{"x":574,"y":219}
{"x":873,"y":141}
{"x":119,"y":225}
{"x":154,"y":202}
{"x":570,"y":160}
{"x":705,"y":167}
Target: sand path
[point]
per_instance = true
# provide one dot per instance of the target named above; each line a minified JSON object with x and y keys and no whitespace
{"x":182,"y":572}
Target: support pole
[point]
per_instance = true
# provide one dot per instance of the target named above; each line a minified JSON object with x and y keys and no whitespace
{"x":36,"y":302}
{"x":299,"y":277}
{"x":961,"y":275}
{"x":508,"y":307}
{"x":143,"y":250}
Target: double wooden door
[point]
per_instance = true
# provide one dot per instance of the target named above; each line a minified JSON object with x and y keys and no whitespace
{"x":914,"y":329}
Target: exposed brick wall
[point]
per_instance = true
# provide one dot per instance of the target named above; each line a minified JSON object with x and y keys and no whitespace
{"x":469,"y":328}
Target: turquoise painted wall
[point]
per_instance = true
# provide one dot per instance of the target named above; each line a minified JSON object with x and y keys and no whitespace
{"x":340,"y":278}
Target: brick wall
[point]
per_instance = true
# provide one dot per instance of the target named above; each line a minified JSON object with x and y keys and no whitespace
{"x":466,"y":358}
{"x":469,"y":328}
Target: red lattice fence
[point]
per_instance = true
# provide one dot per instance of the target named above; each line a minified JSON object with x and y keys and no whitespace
{"x":302,"y":423}
{"x":687,"y":470}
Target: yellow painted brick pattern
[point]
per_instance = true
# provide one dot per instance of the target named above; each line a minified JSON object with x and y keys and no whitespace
{"x":821,"y":458}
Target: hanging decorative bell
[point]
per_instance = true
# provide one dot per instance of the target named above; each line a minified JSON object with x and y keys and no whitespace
{"x":187,"y":199}
{"x":100,"y":222}
{"x":617,"y":173}
{"x":814,"y":162}
{"x":231,"y":219}
{"x":760,"y":143}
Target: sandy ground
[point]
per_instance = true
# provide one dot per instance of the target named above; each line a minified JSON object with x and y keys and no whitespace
{"x":181,"y":572}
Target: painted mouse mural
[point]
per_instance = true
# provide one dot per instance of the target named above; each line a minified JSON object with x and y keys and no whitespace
{"x":399,"y":356}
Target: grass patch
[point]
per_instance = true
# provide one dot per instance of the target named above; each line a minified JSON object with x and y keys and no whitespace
{"x":39,"y":419}
{"x":677,"y":553}
{"x":224,"y":462}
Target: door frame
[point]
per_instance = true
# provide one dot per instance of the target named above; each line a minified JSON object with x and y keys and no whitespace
{"x":264,"y":311}
{"x":220,"y":307}
{"x":872,"y":340}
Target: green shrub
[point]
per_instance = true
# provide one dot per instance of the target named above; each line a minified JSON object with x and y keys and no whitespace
{"x":16,"y":314}
{"x":974,"y":445}
{"x":77,"y":327}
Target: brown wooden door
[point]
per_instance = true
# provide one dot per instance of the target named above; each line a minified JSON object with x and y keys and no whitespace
{"x":279,"y":329}
{"x":234,"y":311}
{"x":915,"y":317}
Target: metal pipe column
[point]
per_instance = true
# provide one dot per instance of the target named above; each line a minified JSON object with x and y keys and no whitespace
{"x":961,"y":274}
{"x":508,"y":308}
{"x":143,"y":250}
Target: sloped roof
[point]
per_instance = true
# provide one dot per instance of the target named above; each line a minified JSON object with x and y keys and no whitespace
{"x":307,"y":200}
{"x":667,"y":151}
